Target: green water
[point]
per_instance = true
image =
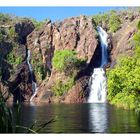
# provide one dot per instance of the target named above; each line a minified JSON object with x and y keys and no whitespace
{"x":80,"y":118}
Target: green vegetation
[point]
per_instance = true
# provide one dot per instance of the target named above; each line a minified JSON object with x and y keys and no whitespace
{"x":138,"y":26}
{"x":38,"y":66}
{"x":2,"y":35}
{"x":136,"y":39}
{"x":5,"y":117}
{"x":98,"y":19}
{"x":38,"y":24}
{"x":66,"y":61}
{"x":5,"y":18}
{"x":111,"y":19}
{"x":124,"y":83}
{"x":9,"y":50}
{"x":12,"y":34}
{"x":124,"y":79}
{"x":114,"y":22}
{"x":61,"y":87}
{"x":12,"y":59}
{"x":10,"y":120}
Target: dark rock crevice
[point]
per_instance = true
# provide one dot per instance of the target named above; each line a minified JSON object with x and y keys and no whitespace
{"x":15,"y":72}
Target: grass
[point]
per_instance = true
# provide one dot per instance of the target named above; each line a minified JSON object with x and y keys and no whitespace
{"x":7,"y":124}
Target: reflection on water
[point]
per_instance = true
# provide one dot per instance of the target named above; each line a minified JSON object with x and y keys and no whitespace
{"x":80,"y":118}
{"x":98,"y":117}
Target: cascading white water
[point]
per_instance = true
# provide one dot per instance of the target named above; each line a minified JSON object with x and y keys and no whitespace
{"x":97,"y":81}
{"x":34,"y":85}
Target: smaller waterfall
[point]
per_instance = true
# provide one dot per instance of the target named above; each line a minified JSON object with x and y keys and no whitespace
{"x":34,"y":85}
{"x":97,"y":81}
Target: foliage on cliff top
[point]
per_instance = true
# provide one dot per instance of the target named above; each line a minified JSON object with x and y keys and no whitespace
{"x":38,"y":24}
{"x":124,"y":79}
{"x":113,"y":19}
{"x":114,"y":22}
{"x":5,"y":18}
{"x":98,"y":19}
{"x":110,"y":19}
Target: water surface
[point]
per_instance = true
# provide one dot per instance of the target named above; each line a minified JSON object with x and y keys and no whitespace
{"x":80,"y":118}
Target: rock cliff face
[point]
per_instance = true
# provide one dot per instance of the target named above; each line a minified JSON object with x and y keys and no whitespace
{"x":76,"y":34}
{"x":15,"y":77}
{"x":121,"y":40}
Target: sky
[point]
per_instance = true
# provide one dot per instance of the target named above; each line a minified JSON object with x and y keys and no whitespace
{"x":54,"y":13}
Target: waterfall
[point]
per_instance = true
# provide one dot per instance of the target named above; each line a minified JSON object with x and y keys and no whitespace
{"x":97,"y":81}
{"x":34,"y":85}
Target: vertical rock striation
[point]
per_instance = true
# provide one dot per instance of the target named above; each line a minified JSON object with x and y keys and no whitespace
{"x":76,"y":34}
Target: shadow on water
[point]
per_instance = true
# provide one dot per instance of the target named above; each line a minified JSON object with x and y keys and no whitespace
{"x":80,"y":118}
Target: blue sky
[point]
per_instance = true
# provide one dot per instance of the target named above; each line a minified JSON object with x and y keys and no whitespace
{"x":54,"y":13}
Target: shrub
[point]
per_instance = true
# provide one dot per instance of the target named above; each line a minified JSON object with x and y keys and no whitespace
{"x":2,"y":34}
{"x":10,"y":120}
{"x":100,"y":18}
{"x":110,"y":19}
{"x":4,"y":18}
{"x":66,"y":60}
{"x":61,"y":88}
{"x":6,"y":120}
{"x":14,"y":60}
{"x":12,"y":34}
{"x":124,"y":83}
{"x":39,"y":70}
{"x":125,"y":101}
{"x":138,"y":26}
{"x":114,"y":22}
{"x":136,"y":39}
{"x":38,"y":24}
{"x":38,"y":67}
{"x":124,"y":80}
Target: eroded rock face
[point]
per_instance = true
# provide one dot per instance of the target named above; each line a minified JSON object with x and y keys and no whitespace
{"x":20,"y":84}
{"x":13,"y":67}
{"x":23,"y":28}
{"x":121,"y":41}
{"x":76,"y":34}
{"x":79,"y":92}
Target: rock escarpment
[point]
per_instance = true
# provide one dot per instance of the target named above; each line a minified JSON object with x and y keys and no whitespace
{"x":121,"y":40}
{"x":77,"y":34}
{"x":14,"y":72}
{"x":120,"y":25}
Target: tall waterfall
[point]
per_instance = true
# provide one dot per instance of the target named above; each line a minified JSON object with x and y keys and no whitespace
{"x":34,"y":85}
{"x":97,"y":81}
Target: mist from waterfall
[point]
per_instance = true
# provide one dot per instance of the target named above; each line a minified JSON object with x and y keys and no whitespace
{"x":97,"y":83}
{"x":34,"y":85}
